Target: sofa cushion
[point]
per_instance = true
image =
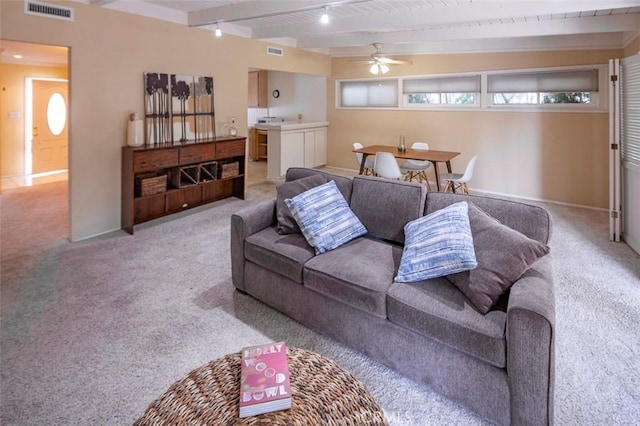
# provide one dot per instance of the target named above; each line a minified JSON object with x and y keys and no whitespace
{"x":324,"y":217}
{"x":286,"y":223}
{"x":343,"y":183}
{"x":503,"y":255}
{"x":532,"y":221}
{"x":385,"y":206}
{"x":284,"y":254}
{"x":435,"y":308}
{"x":357,"y":274}
{"x":437,"y":245}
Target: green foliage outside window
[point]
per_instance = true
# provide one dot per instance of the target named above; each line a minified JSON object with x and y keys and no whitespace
{"x":441,"y":98}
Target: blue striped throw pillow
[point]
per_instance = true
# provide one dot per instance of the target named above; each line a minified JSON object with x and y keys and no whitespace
{"x":324,"y":217}
{"x":438,"y":244}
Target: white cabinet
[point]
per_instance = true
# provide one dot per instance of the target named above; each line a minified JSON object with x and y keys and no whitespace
{"x":292,"y":150}
{"x":295,"y":145}
{"x":315,"y":147}
{"x":320,"y":146}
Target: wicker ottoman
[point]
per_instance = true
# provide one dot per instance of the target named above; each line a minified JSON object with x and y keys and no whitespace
{"x":323,"y":394}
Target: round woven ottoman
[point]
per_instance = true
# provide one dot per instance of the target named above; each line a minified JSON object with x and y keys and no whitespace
{"x":323,"y":394}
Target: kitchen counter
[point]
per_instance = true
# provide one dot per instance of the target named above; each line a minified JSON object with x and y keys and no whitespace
{"x":294,"y":144}
{"x":291,"y":125}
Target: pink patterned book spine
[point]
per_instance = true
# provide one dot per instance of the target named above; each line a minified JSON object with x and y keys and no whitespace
{"x":264,"y":376}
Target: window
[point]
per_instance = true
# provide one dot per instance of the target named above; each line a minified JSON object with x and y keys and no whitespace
{"x":543,"y":87}
{"x":456,"y":90}
{"x":369,"y":93}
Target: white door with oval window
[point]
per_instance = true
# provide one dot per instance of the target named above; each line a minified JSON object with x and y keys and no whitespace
{"x":50,"y":126}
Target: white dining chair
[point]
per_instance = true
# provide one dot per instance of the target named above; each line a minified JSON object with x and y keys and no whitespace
{"x":368,"y":164}
{"x":386,"y":166}
{"x":458,"y":181}
{"x":417,"y":169}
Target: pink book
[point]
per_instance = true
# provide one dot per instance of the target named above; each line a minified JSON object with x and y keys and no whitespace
{"x":264,"y":379}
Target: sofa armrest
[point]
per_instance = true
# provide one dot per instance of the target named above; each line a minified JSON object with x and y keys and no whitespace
{"x":243,"y":224}
{"x":530,"y":345}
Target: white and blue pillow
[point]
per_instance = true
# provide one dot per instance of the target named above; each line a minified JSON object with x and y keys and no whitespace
{"x":437,"y":245}
{"x":324,"y":217}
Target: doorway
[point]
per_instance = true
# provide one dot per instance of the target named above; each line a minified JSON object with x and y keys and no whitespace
{"x":22,"y":65}
{"x":46,"y":141}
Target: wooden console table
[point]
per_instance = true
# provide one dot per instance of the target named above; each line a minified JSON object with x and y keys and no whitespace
{"x":223,"y":161}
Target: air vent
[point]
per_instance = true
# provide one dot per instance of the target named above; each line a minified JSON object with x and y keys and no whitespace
{"x":48,"y":10}
{"x":274,"y":51}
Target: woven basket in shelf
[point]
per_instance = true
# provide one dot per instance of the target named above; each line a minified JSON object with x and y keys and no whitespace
{"x":228,"y":170}
{"x":150,"y":184}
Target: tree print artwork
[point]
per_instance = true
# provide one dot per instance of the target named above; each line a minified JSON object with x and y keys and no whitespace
{"x":157,"y":107}
{"x":181,"y":91}
{"x":205,"y":119}
{"x":178,"y":108}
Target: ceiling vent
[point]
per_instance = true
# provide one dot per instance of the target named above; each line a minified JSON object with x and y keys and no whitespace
{"x":48,"y":10}
{"x":274,"y":51}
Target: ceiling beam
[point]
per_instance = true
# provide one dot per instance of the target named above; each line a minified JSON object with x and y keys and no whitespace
{"x":506,"y":44}
{"x":259,"y":9}
{"x":478,"y":11}
{"x":100,"y":2}
{"x":589,"y":25}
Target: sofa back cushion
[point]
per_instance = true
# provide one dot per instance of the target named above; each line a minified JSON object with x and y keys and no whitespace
{"x":343,"y":183}
{"x":385,"y":206}
{"x":532,"y":221}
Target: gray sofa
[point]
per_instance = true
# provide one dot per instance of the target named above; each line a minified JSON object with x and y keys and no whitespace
{"x":499,"y":364}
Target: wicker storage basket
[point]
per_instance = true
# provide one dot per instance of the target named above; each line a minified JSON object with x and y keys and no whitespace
{"x":185,"y":176}
{"x":150,"y":184}
{"x":228,"y":170}
{"x":208,"y":171}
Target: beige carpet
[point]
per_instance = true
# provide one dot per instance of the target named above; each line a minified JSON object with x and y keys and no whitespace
{"x":92,"y":332}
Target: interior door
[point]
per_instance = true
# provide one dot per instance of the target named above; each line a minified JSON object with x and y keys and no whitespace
{"x":630,"y":150}
{"x":49,"y":146}
{"x":615,"y":202}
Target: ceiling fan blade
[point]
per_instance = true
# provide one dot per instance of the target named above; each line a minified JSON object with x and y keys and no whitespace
{"x":361,"y":62}
{"x":390,"y":61}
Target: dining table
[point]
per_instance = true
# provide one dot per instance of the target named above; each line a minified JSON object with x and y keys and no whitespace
{"x":431,"y":155}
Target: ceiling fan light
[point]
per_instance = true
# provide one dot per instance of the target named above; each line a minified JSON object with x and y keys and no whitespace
{"x":325,"y":16}
{"x":374,"y":69}
{"x":384,"y":68}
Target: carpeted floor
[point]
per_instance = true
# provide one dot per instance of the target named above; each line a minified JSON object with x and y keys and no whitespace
{"x":92,"y":332}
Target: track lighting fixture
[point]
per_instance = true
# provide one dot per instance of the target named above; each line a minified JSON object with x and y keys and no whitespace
{"x":325,"y":15}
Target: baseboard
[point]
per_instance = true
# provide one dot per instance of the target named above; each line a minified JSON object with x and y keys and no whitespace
{"x":540,"y":200}
{"x":498,"y":194}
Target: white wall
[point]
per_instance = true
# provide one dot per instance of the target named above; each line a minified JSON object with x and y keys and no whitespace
{"x":299,"y":94}
{"x":109,"y":52}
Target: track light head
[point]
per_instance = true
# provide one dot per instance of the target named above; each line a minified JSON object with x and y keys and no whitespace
{"x":325,"y":15}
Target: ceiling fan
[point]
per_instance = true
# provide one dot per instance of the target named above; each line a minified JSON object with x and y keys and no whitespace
{"x":379,"y":61}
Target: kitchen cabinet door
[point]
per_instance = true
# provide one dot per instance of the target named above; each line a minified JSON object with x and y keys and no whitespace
{"x":309,"y":148}
{"x":292,"y":151}
{"x":320,"y":147}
